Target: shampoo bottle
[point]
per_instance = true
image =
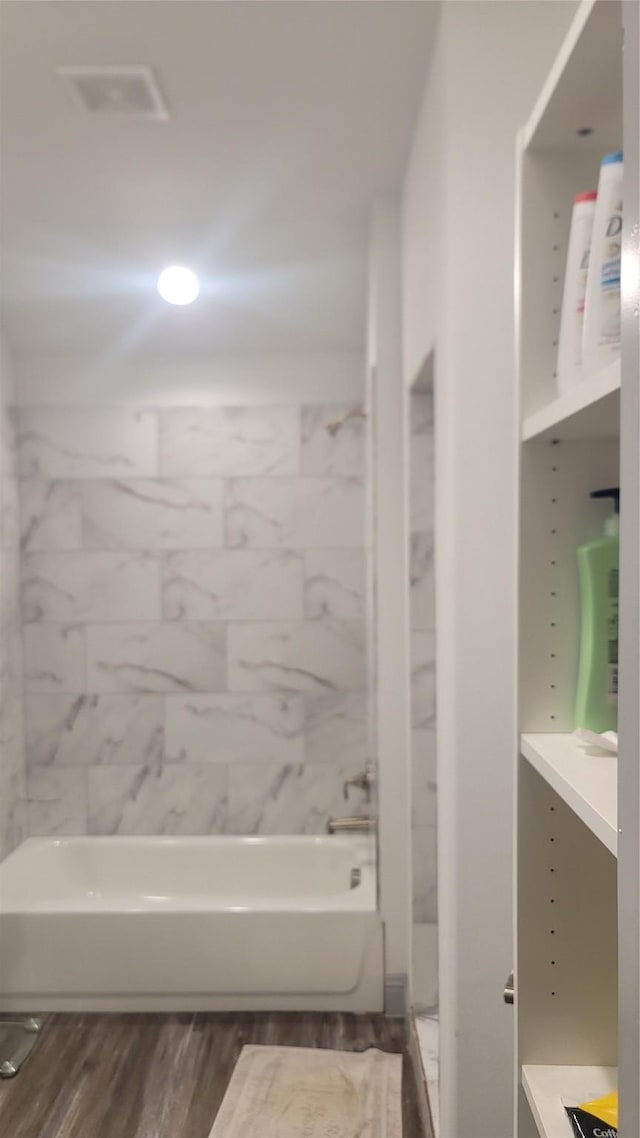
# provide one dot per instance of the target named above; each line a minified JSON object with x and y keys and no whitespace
{"x":597,"y":691}
{"x":570,"y":369}
{"x":601,"y":335}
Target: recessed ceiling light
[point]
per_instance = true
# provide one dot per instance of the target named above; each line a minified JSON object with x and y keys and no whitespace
{"x":178,"y":285}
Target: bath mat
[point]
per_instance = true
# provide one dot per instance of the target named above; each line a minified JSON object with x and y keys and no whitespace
{"x":303,"y":1092}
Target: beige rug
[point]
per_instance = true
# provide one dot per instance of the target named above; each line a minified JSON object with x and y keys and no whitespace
{"x":301,"y":1092}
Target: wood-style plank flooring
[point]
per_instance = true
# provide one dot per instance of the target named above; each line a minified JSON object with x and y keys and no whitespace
{"x":164,"y":1076}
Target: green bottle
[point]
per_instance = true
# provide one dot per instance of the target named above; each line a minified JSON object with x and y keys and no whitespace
{"x":597,"y":691}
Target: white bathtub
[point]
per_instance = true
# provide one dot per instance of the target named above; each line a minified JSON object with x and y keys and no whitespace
{"x":184,"y":924}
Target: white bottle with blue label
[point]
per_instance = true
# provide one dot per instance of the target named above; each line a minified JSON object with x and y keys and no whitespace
{"x":601,"y":335}
{"x":570,"y":370}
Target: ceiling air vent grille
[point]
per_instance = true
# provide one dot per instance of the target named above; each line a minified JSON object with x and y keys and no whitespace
{"x":118,"y":91}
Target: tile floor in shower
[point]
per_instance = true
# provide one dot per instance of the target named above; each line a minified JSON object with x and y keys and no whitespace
{"x":164,"y":1076}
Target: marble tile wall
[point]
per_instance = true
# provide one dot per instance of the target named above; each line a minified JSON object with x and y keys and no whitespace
{"x":12,"y":757}
{"x":423,"y":657}
{"x":193,"y":598}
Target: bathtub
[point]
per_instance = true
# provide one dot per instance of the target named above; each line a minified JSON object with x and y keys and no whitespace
{"x":190,"y":924}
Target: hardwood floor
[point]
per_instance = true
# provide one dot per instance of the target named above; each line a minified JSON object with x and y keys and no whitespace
{"x":164,"y":1076}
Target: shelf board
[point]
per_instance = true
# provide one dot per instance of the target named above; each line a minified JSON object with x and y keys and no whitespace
{"x":545,"y":1087}
{"x":587,"y":782}
{"x":584,"y":87}
{"x":590,"y":410}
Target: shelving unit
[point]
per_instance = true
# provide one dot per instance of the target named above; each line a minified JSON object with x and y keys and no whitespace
{"x":590,"y":410}
{"x":577,"y":809}
{"x":584,"y":778}
{"x":545,"y":1087}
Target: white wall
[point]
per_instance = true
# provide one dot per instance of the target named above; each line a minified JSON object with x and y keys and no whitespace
{"x":458,"y":229}
{"x":322,"y":377}
{"x":391,"y":575}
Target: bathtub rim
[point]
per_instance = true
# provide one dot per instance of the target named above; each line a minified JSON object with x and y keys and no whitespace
{"x":359,"y":900}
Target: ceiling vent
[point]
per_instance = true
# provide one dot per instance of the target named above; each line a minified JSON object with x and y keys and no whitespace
{"x":117,"y":92}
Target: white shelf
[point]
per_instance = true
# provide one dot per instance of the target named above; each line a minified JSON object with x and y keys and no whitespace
{"x":583,"y":89}
{"x":587,"y":782}
{"x":590,"y":410}
{"x":545,"y":1087}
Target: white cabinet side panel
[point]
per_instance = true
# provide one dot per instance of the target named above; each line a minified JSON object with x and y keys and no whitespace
{"x":629,"y":723}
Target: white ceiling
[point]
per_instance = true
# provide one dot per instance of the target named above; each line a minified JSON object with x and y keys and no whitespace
{"x":286,"y":121}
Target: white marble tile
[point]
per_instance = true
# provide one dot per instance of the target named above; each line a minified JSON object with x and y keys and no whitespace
{"x":321,"y":655}
{"x":229,"y":441}
{"x":54,"y":658}
{"x":11,"y":730}
{"x":272,"y":799}
{"x":333,"y":452}
{"x":423,"y":679}
{"x":9,"y":591}
{"x":425,"y":874}
{"x":425,"y":969}
{"x":8,"y":437}
{"x":179,"y":799}
{"x":294,"y":513}
{"x":9,"y":514}
{"x":421,"y":464}
{"x":424,"y":773}
{"x":12,"y":769}
{"x":160,"y":657}
{"x":152,"y":513}
{"x":13,"y":810}
{"x":423,"y":599}
{"x":84,"y":585}
{"x":421,"y":494}
{"x":422,"y":413}
{"x":50,"y":514}
{"x":336,"y":729}
{"x":86,"y":730}
{"x":229,"y":728}
{"x":57,"y":800}
{"x":232,"y":584}
{"x":334,"y":583}
{"x":83,"y":443}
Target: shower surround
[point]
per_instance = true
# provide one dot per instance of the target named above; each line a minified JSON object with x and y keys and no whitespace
{"x":193,"y":603}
